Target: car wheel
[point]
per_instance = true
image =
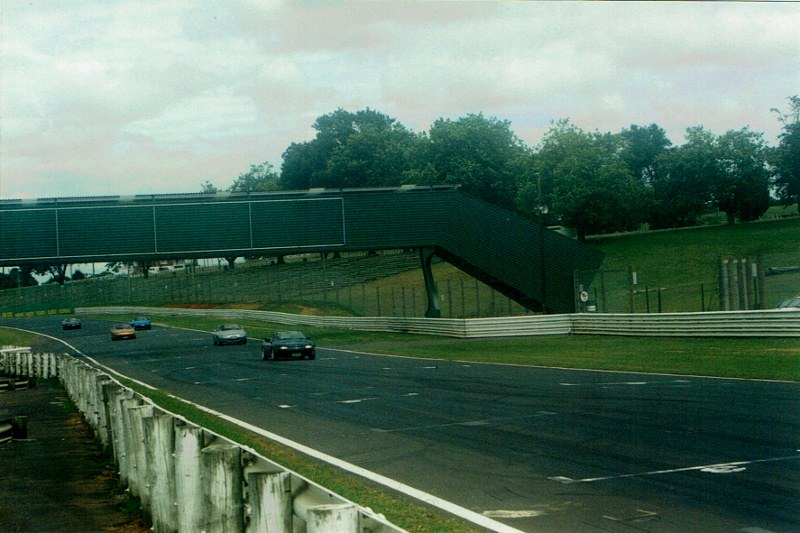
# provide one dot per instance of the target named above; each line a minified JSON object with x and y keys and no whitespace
{"x":244,"y":341}
{"x":312,"y":355}
{"x":216,"y":342}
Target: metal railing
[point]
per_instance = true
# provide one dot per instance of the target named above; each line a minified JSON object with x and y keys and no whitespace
{"x":766,"y":323}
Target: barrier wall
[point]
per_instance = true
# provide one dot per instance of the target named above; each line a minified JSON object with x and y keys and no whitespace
{"x":190,"y":479}
{"x":766,"y":323}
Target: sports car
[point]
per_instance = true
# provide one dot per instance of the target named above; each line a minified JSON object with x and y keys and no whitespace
{"x":285,"y":344}
{"x":229,"y":334}
{"x":122,"y":331}
{"x":72,"y":322}
{"x":140,"y":322}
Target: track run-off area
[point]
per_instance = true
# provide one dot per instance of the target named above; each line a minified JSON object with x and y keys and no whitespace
{"x":535,"y":449}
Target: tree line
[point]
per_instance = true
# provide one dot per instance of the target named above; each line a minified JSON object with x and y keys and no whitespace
{"x":591,"y":181}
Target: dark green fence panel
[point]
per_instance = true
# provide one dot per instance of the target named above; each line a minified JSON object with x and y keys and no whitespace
{"x":105,"y":230}
{"x":186,"y":229}
{"x":27,"y":234}
{"x":298,"y":223}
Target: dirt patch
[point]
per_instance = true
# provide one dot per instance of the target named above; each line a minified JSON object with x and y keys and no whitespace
{"x":59,"y":479}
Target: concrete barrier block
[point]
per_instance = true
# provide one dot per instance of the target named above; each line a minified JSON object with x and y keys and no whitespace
{"x":270,"y":502}
{"x":221,"y":467}
{"x":333,"y":518}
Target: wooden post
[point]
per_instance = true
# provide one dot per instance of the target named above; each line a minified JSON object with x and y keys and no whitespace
{"x":160,"y":435}
{"x":271,"y":501}
{"x":333,"y":518}
{"x":188,"y":479}
{"x":221,"y":470}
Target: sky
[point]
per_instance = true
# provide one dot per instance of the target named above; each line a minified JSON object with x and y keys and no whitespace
{"x":118,"y":97}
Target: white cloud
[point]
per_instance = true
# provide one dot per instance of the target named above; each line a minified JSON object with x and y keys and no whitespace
{"x":130,"y":97}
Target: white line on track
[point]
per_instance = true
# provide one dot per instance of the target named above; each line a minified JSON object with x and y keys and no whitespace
{"x":719,"y":468}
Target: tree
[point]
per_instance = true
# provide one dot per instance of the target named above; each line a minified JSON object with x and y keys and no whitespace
{"x":18,"y":277}
{"x":681,"y":184}
{"x":208,"y":188}
{"x":585,"y":183}
{"x":785,"y":158}
{"x":361,"y":149}
{"x":482,"y":155}
{"x":742,"y":186}
{"x":641,"y":149}
{"x":260,"y":178}
{"x":58,"y":271}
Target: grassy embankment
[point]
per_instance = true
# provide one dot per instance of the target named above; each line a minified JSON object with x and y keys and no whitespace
{"x":680,"y":260}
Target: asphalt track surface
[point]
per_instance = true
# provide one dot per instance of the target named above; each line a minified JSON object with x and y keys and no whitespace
{"x":533,"y":448}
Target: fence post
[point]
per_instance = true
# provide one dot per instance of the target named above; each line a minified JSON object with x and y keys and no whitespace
{"x":221,"y":470}
{"x":271,"y":501}
{"x":724,"y":302}
{"x":333,"y":518}
{"x":160,"y":435}
{"x":188,"y":480}
{"x":733,"y":274}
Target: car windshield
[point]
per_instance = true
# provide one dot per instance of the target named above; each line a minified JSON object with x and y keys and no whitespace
{"x":284,"y":335}
{"x":227,"y":327}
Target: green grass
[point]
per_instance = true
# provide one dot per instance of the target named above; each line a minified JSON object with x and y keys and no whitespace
{"x":680,"y":260}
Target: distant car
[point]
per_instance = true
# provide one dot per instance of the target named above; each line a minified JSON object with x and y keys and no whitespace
{"x":71,"y":323}
{"x":122,"y":331}
{"x":140,"y":322}
{"x":286,"y":344}
{"x":790,"y":303}
{"x":229,"y":334}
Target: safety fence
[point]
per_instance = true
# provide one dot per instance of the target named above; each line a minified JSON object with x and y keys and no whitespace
{"x":189,"y":478}
{"x":764,"y":323}
{"x":20,"y":362}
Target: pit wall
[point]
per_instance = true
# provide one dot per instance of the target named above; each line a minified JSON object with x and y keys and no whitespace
{"x":189,"y":478}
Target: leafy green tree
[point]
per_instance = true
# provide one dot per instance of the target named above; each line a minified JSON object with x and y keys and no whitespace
{"x":361,"y":149}
{"x":681,"y":185}
{"x":18,"y":277}
{"x":641,"y":149}
{"x":58,"y":271}
{"x":260,"y":178}
{"x":741,"y":190}
{"x":482,"y":155}
{"x":208,"y":188}
{"x":786,"y":156}
{"x":585,"y":183}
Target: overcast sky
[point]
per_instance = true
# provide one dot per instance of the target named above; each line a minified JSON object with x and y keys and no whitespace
{"x":148,"y":97}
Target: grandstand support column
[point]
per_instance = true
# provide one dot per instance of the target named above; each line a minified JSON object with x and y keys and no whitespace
{"x":426,"y":256}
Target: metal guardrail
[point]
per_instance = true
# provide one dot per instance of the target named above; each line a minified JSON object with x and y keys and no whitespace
{"x":13,"y":427}
{"x":764,"y":323}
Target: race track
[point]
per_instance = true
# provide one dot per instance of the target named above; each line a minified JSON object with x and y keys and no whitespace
{"x":537,"y":449}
